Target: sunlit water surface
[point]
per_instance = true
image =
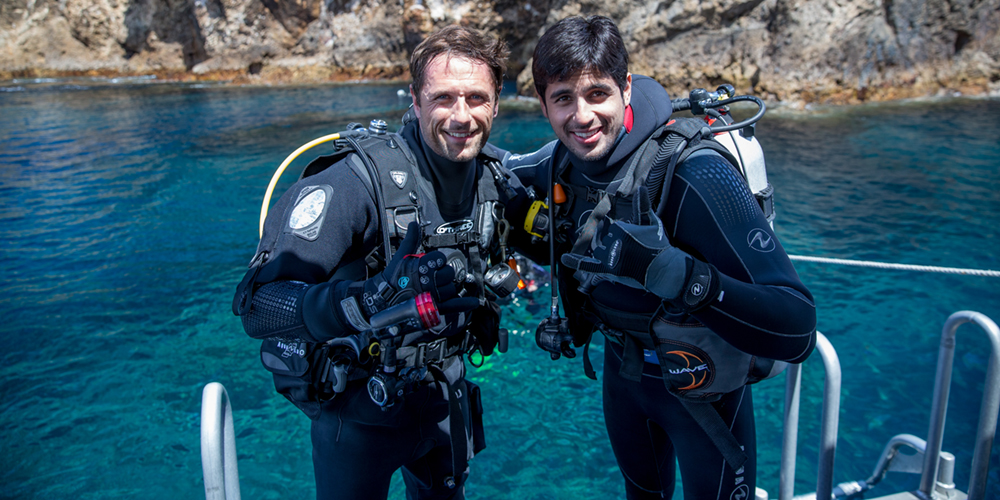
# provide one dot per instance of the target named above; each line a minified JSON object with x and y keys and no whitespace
{"x":128,"y":213}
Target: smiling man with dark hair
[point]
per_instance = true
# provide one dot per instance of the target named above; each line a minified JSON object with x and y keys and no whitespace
{"x":692,"y":310}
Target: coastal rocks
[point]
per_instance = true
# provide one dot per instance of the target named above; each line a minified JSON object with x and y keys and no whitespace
{"x":794,"y":51}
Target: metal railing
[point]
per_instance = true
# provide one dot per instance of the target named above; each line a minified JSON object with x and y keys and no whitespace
{"x":218,"y":442}
{"x":828,"y":429}
{"x":937,"y":465}
{"x":218,"y":445}
{"x":988,"y":410}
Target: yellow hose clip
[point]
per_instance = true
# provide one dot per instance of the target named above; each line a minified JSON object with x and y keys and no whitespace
{"x":374,"y":349}
{"x":529,"y":221}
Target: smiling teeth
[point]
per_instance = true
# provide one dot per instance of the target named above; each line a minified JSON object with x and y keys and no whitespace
{"x":459,"y":135}
{"x":585,"y":135}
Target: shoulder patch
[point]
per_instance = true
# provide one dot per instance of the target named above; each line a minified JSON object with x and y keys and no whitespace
{"x":309,"y":212}
{"x":398,"y":178}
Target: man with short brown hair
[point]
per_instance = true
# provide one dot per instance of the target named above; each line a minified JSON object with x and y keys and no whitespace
{"x":369,"y":285}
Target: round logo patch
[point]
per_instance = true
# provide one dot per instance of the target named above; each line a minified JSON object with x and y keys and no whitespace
{"x":306,"y":217}
{"x":759,"y":240}
{"x":688,"y":366}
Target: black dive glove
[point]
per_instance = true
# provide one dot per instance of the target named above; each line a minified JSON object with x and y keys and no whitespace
{"x":404,"y":277}
{"x":641,"y":256}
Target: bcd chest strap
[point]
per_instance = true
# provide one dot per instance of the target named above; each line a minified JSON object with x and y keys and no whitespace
{"x":427,"y":353}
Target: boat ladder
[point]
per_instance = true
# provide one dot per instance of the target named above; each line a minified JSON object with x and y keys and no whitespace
{"x":935,"y":466}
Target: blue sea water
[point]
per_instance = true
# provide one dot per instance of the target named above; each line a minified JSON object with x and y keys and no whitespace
{"x":128,"y":213}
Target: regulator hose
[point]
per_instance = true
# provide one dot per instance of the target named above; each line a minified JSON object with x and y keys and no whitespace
{"x":704,"y":100}
{"x":749,"y":121}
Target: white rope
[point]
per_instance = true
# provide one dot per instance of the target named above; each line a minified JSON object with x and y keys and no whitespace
{"x":902,"y":267}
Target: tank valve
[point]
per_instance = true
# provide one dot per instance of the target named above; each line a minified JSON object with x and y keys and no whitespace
{"x":378,"y":127}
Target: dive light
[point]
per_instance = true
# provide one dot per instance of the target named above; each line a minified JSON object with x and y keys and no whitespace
{"x":418,"y":313}
{"x":502,"y":279}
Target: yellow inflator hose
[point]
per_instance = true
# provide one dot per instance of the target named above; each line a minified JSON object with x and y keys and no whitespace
{"x":281,"y":169}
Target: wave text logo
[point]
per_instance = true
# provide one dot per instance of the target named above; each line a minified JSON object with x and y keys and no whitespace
{"x":699,"y":368}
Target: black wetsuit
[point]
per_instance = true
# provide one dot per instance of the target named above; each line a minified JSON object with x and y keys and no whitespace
{"x":764,"y":309}
{"x":357,"y":446}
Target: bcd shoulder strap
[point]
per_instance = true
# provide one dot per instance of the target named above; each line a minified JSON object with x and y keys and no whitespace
{"x":653,"y":164}
{"x":374,"y":157}
{"x":657,"y":159}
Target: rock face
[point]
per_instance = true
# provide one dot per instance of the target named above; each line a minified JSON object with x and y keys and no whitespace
{"x":803,"y":51}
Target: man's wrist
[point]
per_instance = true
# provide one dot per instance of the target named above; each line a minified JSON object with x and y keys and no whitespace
{"x":702,"y":286}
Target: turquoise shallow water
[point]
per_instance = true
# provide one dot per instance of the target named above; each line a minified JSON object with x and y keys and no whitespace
{"x":128,"y":213}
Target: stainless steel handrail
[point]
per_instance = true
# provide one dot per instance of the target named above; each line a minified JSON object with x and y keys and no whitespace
{"x":988,"y":411}
{"x":892,"y":460}
{"x":218,"y":445}
{"x":828,"y":427}
{"x":790,"y":432}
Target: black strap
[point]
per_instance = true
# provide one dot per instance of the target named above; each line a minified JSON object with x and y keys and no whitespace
{"x":588,"y":367}
{"x":456,"y":427}
{"x":379,"y":199}
{"x":244,"y":291}
{"x":718,"y":432}
{"x":425,"y":353}
{"x":632,"y":359}
{"x":450,"y":240}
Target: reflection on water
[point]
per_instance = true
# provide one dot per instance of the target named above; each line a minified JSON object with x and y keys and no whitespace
{"x":129,"y":212}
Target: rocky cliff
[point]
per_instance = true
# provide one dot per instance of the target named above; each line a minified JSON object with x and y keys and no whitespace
{"x":838,"y":51}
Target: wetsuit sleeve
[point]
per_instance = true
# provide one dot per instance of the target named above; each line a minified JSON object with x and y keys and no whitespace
{"x":517,"y":204}
{"x":527,"y":166}
{"x":293,"y":295}
{"x":531,"y":169}
{"x":762,"y":308}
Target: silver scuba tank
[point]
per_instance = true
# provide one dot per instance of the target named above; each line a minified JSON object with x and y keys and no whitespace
{"x":750,"y":157}
{"x":738,"y":138}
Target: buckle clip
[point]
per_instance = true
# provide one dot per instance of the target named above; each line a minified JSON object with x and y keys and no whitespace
{"x":431,"y":352}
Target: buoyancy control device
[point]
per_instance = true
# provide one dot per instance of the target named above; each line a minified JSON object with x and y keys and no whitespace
{"x":307,"y":373}
{"x":653,"y":164}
